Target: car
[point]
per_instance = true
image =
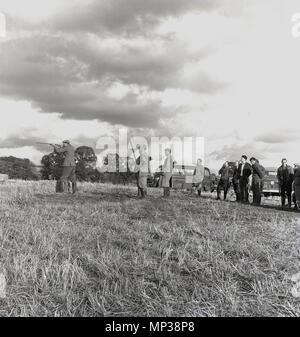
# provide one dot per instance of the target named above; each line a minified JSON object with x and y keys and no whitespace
{"x":182,"y":178}
{"x":270,"y":183}
{"x":154,"y":180}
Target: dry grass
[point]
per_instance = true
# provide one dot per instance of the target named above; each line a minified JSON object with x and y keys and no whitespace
{"x":105,"y":253}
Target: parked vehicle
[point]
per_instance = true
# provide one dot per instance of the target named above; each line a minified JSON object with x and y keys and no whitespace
{"x":182,"y":178}
{"x":270,"y":182}
{"x":155,"y":179}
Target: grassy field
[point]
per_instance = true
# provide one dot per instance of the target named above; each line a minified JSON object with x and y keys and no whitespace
{"x":104,"y":252}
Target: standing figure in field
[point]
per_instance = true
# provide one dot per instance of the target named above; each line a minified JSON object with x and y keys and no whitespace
{"x":167,"y":170}
{"x":198,"y":177}
{"x":224,"y":180}
{"x":285,"y":176}
{"x":244,"y":173}
{"x":235,"y":181}
{"x":136,"y":167}
{"x":142,"y":170}
{"x":263,"y":170}
{"x":69,"y":165}
{"x":296,"y":185}
{"x":257,"y":177}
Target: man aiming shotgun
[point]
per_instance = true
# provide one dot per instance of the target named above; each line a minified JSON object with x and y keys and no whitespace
{"x":69,"y":165}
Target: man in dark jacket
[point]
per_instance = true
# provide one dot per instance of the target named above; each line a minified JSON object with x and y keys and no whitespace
{"x":69,"y":165}
{"x":257,"y":177}
{"x":235,"y":182}
{"x":244,"y":172}
{"x":285,"y":176}
{"x":224,"y":180}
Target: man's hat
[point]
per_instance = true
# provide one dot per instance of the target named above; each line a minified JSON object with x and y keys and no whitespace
{"x":66,"y":142}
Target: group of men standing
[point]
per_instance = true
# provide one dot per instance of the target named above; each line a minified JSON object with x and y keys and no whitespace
{"x":241,"y":180}
{"x":250,"y":175}
{"x":245,"y":176}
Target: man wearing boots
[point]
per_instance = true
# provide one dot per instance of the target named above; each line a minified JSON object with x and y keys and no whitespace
{"x":167,"y":170}
{"x":244,"y":173}
{"x":69,"y":165}
{"x":142,"y":170}
{"x":224,"y":180}
{"x":285,"y":176}
{"x":235,"y":181}
{"x":257,"y":176}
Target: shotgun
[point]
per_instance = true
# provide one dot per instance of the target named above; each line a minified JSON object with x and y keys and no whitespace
{"x":51,"y":144}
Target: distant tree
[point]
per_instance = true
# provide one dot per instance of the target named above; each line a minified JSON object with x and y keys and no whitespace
{"x":85,"y":164}
{"x":52,"y":166}
{"x":18,"y":168}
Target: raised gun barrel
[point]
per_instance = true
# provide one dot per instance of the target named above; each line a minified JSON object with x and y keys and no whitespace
{"x":40,"y":143}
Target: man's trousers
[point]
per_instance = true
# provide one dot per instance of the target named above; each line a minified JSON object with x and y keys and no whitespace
{"x":244,"y":191}
{"x":256,"y":188}
{"x":223,"y":184}
{"x":68,"y":173}
{"x":286,"y":191}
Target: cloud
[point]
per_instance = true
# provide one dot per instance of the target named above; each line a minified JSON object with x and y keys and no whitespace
{"x":278,"y":136}
{"x":17,"y":141}
{"x":130,"y":17}
{"x":72,"y":77}
{"x":234,"y":152}
{"x":109,"y":61}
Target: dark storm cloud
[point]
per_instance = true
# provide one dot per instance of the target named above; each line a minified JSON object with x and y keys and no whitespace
{"x":46,"y":72}
{"x":130,"y":17}
{"x":60,"y":68}
{"x":71,"y":77}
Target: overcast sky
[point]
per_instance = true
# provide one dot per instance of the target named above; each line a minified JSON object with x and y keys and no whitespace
{"x":226,"y":70}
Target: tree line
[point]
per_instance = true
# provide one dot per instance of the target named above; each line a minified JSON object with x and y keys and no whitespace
{"x":51,"y":167}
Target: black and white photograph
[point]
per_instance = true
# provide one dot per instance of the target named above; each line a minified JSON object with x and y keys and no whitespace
{"x":150,"y":161}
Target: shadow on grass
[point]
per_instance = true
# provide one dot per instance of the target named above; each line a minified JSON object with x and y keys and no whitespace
{"x":90,"y":197}
{"x":94,"y":197}
{"x":278,"y":208}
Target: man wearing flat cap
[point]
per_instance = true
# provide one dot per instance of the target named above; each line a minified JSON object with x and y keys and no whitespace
{"x":69,"y":165}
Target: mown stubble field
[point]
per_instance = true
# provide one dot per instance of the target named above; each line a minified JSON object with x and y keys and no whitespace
{"x":103,"y":252}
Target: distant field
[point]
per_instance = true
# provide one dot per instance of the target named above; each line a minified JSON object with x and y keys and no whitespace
{"x":103,"y":252}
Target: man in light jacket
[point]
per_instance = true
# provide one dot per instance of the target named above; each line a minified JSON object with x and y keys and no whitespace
{"x":167,"y":170}
{"x":142,"y":170}
{"x":198,"y":176}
